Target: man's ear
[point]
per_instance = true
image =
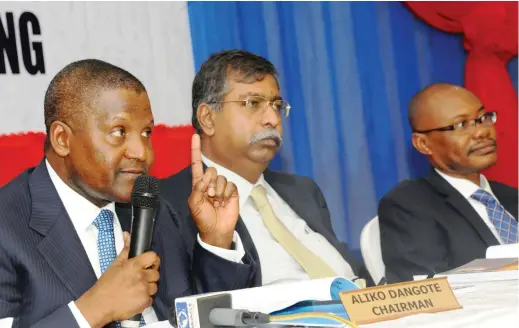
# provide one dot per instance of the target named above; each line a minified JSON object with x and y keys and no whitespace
{"x":421,"y":143}
{"x":60,"y":136}
{"x":206,"y":118}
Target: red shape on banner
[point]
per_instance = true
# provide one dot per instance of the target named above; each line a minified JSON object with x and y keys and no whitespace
{"x":172,"y":149}
{"x":24,"y":150}
{"x":490,"y":38}
{"x":19,"y":152}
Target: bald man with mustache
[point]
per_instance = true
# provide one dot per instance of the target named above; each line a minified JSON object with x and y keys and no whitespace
{"x":453,"y":214}
{"x":284,"y":222}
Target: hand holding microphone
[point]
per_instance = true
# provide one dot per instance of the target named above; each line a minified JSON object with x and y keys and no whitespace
{"x":126,"y":288}
{"x":145,"y":202}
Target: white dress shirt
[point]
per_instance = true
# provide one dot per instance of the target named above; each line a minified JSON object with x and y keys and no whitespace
{"x":466,"y":188}
{"x":277,"y":265}
{"x":82,"y":213}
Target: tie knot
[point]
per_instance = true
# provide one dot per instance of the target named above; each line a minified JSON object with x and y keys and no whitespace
{"x":259,"y":196}
{"x":483,"y":197}
{"x":105,"y":220}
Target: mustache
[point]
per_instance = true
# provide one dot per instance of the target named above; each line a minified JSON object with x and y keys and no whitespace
{"x":267,"y":134}
{"x":490,"y":142}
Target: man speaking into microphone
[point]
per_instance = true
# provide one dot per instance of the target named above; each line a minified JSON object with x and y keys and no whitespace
{"x":63,"y":254}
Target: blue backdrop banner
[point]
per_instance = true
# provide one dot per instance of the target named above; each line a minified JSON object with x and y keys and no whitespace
{"x":348,"y":69}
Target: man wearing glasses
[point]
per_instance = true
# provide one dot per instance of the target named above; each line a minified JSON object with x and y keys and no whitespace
{"x":449,"y":217}
{"x":283,"y":219}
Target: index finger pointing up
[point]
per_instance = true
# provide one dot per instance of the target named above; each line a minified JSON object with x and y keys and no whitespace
{"x":197,"y":168}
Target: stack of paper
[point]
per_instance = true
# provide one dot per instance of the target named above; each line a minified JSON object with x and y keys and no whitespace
{"x":481,"y":270}
{"x":268,"y":299}
{"x":503,"y":251}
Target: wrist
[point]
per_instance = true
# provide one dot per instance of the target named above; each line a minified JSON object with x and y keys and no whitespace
{"x":218,"y":240}
{"x":96,"y":313}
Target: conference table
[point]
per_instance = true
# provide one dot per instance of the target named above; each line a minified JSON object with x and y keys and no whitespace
{"x":484,"y":304}
{"x":489,"y":304}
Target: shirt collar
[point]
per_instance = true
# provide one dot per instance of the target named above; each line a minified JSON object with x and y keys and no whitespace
{"x":465,"y":187}
{"x":81,"y":211}
{"x":244,"y":187}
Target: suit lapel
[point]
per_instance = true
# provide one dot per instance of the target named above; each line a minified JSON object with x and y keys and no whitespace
{"x":124,"y":214}
{"x":287,"y":190}
{"x":246,"y":239}
{"x":506,"y":197}
{"x":159,"y":304}
{"x":462,"y":206}
{"x":304,"y":204}
{"x":60,"y":247}
{"x":513,"y":210}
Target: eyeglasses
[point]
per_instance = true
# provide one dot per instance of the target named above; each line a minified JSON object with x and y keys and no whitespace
{"x":487,"y":119}
{"x":257,"y":103}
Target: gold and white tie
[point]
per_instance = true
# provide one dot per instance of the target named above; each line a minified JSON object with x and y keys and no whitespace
{"x":314,"y":266}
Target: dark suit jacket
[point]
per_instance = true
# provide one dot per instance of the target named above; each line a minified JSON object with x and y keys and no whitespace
{"x":427,"y":225}
{"x":43,"y":265}
{"x":301,"y":193}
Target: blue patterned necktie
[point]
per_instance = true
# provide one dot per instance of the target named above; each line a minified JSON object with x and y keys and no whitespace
{"x":505,"y":224}
{"x":104,"y":223}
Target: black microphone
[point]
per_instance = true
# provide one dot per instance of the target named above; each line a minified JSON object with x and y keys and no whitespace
{"x":145,"y":202}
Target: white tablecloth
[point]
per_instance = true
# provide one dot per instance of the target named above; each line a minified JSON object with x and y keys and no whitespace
{"x":493,"y":304}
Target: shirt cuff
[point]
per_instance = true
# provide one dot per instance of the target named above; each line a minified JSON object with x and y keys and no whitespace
{"x":233,"y":255}
{"x":80,"y":319}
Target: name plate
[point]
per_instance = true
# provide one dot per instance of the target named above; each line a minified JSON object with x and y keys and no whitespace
{"x":394,"y":301}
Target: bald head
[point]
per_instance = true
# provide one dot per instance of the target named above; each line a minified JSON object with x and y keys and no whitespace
{"x":434,"y":102}
{"x":452,"y":128}
{"x":73,"y":90}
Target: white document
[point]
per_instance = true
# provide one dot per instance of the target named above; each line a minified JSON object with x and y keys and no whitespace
{"x":271,"y":298}
{"x":160,"y":324}
{"x":276,"y":297}
{"x":479,"y":271}
{"x":6,"y":322}
{"x":503,"y":251}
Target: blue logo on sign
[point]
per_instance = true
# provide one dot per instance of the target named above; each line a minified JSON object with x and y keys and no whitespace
{"x":182,"y":315}
{"x":341,"y":285}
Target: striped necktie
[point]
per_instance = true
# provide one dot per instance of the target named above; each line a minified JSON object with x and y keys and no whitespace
{"x":505,"y":224}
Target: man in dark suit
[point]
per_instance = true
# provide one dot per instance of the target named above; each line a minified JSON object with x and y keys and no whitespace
{"x":284,"y":221}
{"x":449,"y":217}
{"x":61,"y":228}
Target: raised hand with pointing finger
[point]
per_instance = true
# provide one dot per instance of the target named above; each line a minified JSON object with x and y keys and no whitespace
{"x":214,"y":201}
